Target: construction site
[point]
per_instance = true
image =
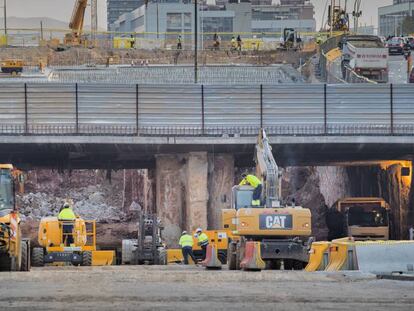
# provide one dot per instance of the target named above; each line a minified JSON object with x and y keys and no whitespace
{"x":194,"y":167}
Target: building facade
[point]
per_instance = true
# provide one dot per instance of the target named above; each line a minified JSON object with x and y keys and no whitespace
{"x":115,"y":8}
{"x":391,"y":17}
{"x":297,"y":14}
{"x":224,"y":16}
{"x":159,"y":18}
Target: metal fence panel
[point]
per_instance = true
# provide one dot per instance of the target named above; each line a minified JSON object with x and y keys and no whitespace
{"x":169,"y":106}
{"x":403,"y":109}
{"x":361,"y":108}
{"x":293,"y":106}
{"x":12,"y":108}
{"x":232,"y":107}
{"x":50,"y":106}
{"x":106,"y":106}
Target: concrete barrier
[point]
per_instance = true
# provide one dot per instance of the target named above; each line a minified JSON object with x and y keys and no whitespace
{"x":385,"y":257}
{"x":211,"y":261}
{"x":318,"y":256}
{"x":252,"y":258}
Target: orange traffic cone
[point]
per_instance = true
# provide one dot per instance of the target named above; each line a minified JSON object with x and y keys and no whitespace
{"x":252,"y":259}
{"x":211,"y":261}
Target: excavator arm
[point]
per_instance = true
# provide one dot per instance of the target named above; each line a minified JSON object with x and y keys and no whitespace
{"x":267,"y":169}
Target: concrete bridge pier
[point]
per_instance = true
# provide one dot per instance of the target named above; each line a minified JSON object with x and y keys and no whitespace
{"x":191,"y":190}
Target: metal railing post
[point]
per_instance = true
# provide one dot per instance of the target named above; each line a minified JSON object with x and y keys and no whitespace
{"x":261,"y":105}
{"x":325,"y":110}
{"x":137,"y":108}
{"x":26,"y":117}
{"x":392,"y":109}
{"x":202,"y":110}
{"x":77,"y":108}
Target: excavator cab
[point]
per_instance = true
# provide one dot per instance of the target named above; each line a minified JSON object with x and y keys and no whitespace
{"x":242,"y":197}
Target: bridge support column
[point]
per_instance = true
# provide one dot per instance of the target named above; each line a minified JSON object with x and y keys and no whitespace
{"x":220,"y":183}
{"x":170,"y":197}
{"x":196,"y":190}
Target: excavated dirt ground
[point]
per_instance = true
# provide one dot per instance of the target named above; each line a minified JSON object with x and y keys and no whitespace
{"x":193,"y":288}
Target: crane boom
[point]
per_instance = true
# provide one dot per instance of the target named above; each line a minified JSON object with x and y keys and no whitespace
{"x":77,"y":19}
{"x":267,"y":168}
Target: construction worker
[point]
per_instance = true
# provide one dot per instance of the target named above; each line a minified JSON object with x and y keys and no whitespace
{"x":202,"y":241}
{"x":132,"y":40}
{"x":233,"y":44}
{"x":186,"y":243}
{"x":255,"y":182}
{"x":179,"y":44}
{"x":67,"y":215}
{"x":239,"y":43}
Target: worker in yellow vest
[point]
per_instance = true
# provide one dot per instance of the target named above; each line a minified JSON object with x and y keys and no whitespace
{"x":67,"y":216}
{"x":186,"y":242}
{"x":202,"y":241}
{"x":256,"y":183}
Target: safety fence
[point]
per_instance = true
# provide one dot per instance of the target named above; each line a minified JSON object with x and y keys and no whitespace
{"x":206,"y":110}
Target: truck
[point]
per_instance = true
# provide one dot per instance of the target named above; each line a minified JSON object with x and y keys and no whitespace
{"x":360,"y":218}
{"x":283,"y":231}
{"x":365,"y":56}
{"x":14,"y":250}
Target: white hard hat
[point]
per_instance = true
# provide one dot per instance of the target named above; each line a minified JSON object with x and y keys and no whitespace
{"x":199,"y":230}
{"x":184,"y":232}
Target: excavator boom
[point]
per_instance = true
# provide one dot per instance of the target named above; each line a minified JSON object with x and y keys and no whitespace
{"x":267,"y":168}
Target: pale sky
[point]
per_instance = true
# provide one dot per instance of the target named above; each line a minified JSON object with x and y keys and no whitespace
{"x":62,"y":9}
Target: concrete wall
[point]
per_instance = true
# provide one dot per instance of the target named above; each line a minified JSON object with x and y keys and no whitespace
{"x":191,"y":190}
{"x":220,"y":183}
{"x":170,"y":195}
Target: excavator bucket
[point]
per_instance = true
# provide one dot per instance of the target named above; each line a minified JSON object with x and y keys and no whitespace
{"x":103,"y":258}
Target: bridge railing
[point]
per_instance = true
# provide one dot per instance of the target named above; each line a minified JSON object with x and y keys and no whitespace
{"x":206,"y":110}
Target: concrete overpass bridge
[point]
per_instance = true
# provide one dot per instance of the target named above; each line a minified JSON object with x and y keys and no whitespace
{"x":192,"y":136}
{"x":117,"y":125}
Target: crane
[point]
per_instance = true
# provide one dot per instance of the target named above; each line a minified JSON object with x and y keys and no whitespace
{"x":77,"y":22}
{"x":356,"y":13}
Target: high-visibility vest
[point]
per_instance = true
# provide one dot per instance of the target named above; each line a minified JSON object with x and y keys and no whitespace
{"x":202,"y":239}
{"x":186,"y":240}
{"x":251,"y":180}
{"x":66,"y":214}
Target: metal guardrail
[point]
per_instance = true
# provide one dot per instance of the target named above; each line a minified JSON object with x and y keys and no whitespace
{"x":206,"y":110}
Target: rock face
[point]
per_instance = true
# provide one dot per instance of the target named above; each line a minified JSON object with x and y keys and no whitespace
{"x":190,"y":190}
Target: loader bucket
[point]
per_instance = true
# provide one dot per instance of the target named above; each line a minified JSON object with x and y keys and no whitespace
{"x":103,"y":258}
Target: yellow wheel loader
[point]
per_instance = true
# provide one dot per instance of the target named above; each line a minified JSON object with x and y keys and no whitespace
{"x":281,"y":232}
{"x":78,"y":247}
{"x":14,"y":251}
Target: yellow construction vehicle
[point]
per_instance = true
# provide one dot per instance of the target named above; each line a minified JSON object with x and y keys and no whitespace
{"x":12,"y":66}
{"x":77,"y":247}
{"x":75,"y":38}
{"x":14,"y":251}
{"x":359,"y":218}
{"x":283,"y":232}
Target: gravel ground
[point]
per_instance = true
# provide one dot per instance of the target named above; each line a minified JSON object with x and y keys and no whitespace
{"x":192,"y":288}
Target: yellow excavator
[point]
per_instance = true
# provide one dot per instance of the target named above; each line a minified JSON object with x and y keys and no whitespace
{"x":282,"y":231}
{"x":74,"y":38}
{"x":14,"y":250}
